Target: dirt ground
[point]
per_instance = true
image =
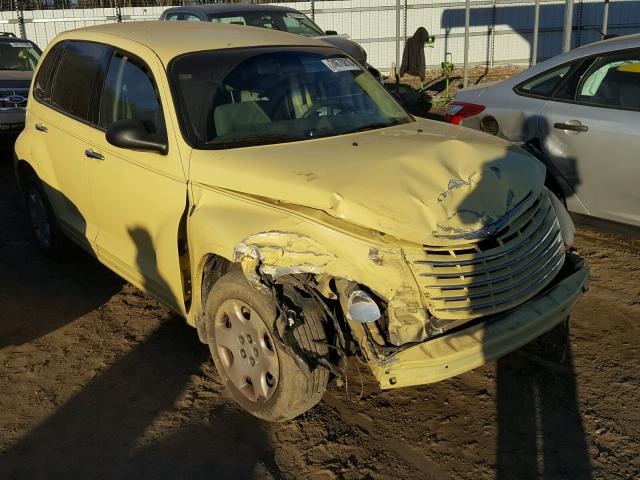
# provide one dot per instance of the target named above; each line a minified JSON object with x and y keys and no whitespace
{"x":99,"y":381}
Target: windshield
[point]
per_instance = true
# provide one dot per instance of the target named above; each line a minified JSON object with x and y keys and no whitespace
{"x":292,"y":22}
{"x":18,"y":55}
{"x":245,"y":97}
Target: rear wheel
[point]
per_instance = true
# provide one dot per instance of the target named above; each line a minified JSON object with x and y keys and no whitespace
{"x":269,"y":379}
{"x":45,"y":229}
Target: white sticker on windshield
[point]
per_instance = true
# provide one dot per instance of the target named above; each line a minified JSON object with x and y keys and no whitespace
{"x":20,"y":45}
{"x":340,"y":64}
{"x":301,"y":16}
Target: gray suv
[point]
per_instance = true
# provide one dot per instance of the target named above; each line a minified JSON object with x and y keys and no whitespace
{"x":18,"y":59}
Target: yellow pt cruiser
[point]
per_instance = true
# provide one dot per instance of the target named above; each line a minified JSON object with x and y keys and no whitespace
{"x":268,"y":189}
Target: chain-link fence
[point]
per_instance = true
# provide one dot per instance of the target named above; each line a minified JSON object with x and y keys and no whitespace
{"x":500,"y":31}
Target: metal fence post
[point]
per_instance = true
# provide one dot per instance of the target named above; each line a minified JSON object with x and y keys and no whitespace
{"x":116,"y":7}
{"x":536,"y":28}
{"x":568,"y":25}
{"x":313,"y":10}
{"x":467,"y":20}
{"x":579,"y":39}
{"x":404,"y":23}
{"x":605,"y":17}
{"x":20,"y":15}
{"x":397,"y":35}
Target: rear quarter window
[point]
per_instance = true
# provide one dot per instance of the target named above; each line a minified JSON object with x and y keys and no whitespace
{"x":42,"y":82}
{"x":544,"y":84}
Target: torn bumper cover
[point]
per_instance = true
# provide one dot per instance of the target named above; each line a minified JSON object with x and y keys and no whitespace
{"x":471,"y":347}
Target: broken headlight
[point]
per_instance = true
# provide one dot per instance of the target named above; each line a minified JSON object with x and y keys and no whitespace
{"x":362,"y":307}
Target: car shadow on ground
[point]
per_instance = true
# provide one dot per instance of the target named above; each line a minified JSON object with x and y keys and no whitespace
{"x":103,"y":431}
{"x":49,"y":293}
{"x":100,"y":433}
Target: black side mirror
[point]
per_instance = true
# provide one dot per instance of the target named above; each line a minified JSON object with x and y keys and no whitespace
{"x":133,"y":134}
{"x":331,"y":32}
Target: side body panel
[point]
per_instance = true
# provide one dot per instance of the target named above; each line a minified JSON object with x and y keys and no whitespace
{"x":600,"y":166}
{"x":516,"y":115}
{"x":55,"y":144}
{"x":139,"y":199}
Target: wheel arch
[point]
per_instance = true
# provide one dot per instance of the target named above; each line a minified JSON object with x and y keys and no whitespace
{"x":23,"y":170}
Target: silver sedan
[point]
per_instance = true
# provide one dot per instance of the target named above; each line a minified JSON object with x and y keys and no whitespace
{"x":579,"y":113}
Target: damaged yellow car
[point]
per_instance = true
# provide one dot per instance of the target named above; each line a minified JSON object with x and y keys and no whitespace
{"x":272,"y":192}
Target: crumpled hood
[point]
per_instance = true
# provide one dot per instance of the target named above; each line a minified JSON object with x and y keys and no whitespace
{"x":425,"y":182}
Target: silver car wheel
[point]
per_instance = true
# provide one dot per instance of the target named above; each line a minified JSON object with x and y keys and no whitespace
{"x":246,"y":350}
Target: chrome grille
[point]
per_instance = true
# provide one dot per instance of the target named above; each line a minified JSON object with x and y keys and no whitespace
{"x":496,"y":273}
{"x":12,"y":98}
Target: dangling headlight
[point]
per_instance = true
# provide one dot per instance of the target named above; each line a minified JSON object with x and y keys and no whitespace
{"x":567,"y":228}
{"x":362,"y":308}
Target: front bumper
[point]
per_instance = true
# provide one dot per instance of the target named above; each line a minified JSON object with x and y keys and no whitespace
{"x":469,"y":348}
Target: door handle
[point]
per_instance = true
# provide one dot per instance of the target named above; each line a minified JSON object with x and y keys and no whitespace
{"x":91,"y":154}
{"x":40,"y":127}
{"x":572,"y":127}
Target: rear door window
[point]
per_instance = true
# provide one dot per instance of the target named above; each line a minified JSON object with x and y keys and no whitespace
{"x":75,"y":77}
{"x":612,"y":82}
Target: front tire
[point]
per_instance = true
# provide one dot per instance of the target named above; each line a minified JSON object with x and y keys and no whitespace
{"x":270,"y":380}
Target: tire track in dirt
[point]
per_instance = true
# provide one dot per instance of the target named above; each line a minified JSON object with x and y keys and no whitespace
{"x":430,"y":470}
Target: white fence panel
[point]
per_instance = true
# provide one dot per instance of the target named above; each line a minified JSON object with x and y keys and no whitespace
{"x":501,"y":31}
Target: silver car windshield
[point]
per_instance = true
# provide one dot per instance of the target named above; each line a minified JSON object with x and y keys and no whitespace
{"x":244,"y":97}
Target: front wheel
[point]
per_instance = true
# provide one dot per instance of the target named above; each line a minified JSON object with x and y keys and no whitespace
{"x":269,"y":379}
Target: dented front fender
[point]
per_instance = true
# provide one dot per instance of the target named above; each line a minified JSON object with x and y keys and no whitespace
{"x":278,"y":239}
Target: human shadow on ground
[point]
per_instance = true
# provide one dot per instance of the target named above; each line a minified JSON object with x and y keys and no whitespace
{"x":540,"y":431}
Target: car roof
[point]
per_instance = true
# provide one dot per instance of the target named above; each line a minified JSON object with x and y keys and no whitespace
{"x":170,"y":39}
{"x":596,"y":48}
{"x":13,"y":38}
{"x":611,"y":44}
{"x":231,"y":7}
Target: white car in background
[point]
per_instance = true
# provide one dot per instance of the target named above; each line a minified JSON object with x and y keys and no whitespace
{"x":579,"y":113}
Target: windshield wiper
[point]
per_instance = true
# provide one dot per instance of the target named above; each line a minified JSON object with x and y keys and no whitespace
{"x":373,"y":126}
{"x":249,"y":140}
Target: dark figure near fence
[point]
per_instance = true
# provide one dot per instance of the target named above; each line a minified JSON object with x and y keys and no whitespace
{"x":413,"y":61}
